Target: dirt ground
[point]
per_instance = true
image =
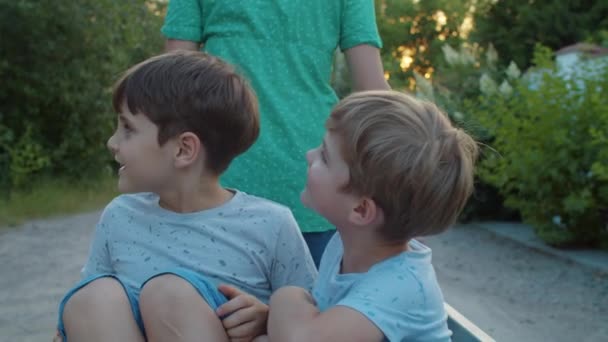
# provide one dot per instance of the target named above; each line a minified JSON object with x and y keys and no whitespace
{"x":511,"y":292}
{"x":517,"y":294}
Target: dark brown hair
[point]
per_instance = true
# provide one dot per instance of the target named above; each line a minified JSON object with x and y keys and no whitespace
{"x":406,"y":155}
{"x":186,"y":91}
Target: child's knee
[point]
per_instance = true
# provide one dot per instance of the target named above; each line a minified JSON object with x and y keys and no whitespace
{"x":169,"y":304}
{"x":93,"y":297}
{"x":166,"y":292}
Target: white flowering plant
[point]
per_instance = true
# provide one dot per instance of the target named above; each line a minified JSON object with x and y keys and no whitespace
{"x":551,"y":152}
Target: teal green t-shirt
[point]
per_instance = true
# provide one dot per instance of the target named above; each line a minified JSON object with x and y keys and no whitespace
{"x":285,"y":48}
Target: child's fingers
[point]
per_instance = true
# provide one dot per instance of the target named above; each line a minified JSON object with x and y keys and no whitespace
{"x":230,"y":291}
{"x":261,"y":338}
{"x":246,"y":339}
{"x":239,"y":317}
{"x":241,"y":339}
{"x":233,"y":305}
{"x":244,"y":331}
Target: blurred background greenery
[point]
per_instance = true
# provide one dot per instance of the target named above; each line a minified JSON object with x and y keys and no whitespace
{"x":490,"y":64}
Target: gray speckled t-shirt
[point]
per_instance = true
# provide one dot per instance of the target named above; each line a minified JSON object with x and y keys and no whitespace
{"x":249,"y":242}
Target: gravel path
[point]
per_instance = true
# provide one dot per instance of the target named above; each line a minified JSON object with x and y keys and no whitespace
{"x":517,"y":294}
{"x":511,"y":292}
{"x":38,"y":263}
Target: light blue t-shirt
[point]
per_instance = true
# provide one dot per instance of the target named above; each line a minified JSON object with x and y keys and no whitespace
{"x":400,"y":295}
{"x":249,"y":242}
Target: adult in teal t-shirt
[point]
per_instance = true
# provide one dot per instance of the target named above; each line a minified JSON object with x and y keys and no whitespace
{"x":286,"y":49}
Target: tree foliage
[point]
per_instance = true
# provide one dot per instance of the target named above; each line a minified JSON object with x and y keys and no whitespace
{"x":515,"y":26}
{"x":413,"y":33}
{"x":58,"y":61}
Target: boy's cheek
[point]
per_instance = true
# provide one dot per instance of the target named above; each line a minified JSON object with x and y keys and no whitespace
{"x":305,"y":198}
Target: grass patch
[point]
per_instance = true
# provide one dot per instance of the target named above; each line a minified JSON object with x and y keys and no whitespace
{"x":53,"y":197}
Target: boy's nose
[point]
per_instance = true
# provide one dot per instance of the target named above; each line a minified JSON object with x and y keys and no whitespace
{"x":111,"y":144}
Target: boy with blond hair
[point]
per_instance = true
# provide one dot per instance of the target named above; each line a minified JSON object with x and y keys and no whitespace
{"x":390,"y":169}
{"x":162,"y":249}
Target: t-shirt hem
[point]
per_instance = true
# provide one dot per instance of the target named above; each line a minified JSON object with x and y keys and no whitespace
{"x":317,"y":230}
{"x":350,"y":43}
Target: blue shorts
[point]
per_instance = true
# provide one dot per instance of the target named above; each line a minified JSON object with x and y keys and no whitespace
{"x":205,"y":288}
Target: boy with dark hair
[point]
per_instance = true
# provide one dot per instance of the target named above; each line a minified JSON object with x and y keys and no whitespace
{"x":161,"y":250}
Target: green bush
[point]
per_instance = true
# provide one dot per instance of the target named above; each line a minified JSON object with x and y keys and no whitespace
{"x":552,"y":152}
{"x":58,"y":61}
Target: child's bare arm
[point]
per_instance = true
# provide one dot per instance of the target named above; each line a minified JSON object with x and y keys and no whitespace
{"x":246,"y":315}
{"x":294,"y":317}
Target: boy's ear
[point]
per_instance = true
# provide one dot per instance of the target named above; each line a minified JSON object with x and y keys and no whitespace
{"x":189,"y":148}
{"x":365,"y":212}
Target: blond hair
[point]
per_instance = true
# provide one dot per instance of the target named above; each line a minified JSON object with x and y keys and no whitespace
{"x":406,"y":155}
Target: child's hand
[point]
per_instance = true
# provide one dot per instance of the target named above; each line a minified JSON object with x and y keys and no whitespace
{"x":246,"y":316}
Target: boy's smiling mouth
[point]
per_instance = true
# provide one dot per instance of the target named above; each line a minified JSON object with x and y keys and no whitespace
{"x":121,"y":166}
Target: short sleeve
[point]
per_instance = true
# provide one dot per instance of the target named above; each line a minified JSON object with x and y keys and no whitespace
{"x":292,"y":264}
{"x":184,"y":20}
{"x":98,"y":261}
{"x":399,"y":305}
{"x":358,"y":24}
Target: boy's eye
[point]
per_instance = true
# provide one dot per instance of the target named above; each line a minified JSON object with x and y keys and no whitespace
{"x":126,"y":126}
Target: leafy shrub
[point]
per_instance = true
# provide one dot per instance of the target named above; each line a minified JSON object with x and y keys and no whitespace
{"x":58,"y":61}
{"x":552,"y":158}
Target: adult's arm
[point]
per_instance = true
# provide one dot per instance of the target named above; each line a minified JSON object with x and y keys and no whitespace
{"x":176,"y":44}
{"x":365,"y":66}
